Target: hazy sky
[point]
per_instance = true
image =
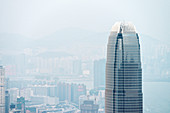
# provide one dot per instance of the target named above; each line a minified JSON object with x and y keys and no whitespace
{"x":38,"y":18}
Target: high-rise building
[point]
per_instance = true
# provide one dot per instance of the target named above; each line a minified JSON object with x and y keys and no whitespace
{"x":70,"y":92}
{"x":89,"y":106}
{"x":14,"y":93}
{"x":99,"y":74}
{"x":21,"y":104}
{"x":36,"y":100}
{"x":26,"y":93}
{"x":123,"y":93}
{"x":76,"y":91}
{"x":6,"y":82}
{"x":77,"y":67}
{"x":7,"y":101}
{"x":2,"y":89}
{"x":62,"y":91}
{"x":42,"y":90}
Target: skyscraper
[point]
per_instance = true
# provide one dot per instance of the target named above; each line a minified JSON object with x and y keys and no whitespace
{"x":76,"y":91}
{"x":2,"y":89}
{"x":21,"y":104}
{"x":123,"y":92}
{"x":7,"y":101}
{"x":70,"y":92}
{"x":99,"y":74}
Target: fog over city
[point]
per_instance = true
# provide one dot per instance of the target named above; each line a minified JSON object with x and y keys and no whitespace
{"x":54,"y":52}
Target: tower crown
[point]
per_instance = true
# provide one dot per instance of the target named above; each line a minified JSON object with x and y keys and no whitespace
{"x":122,"y":27}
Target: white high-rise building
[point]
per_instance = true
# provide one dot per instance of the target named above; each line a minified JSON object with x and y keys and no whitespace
{"x":2,"y":90}
{"x":14,"y":93}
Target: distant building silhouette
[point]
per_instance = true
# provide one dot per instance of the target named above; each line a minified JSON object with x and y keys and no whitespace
{"x":70,"y":92}
{"x":99,"y":74}
{"x":123,"y":92}
{"x":77,"y":67}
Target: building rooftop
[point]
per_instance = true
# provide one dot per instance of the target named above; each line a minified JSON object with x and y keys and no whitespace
{"x":123,"y":27}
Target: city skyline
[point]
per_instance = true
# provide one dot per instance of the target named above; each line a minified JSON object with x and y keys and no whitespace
{"x":55,"y":56}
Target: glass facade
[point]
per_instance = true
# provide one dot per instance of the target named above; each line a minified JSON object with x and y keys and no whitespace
{"x":123,"y":71}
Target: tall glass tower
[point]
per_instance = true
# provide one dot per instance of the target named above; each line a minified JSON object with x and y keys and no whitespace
{"x":123,"y":92}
